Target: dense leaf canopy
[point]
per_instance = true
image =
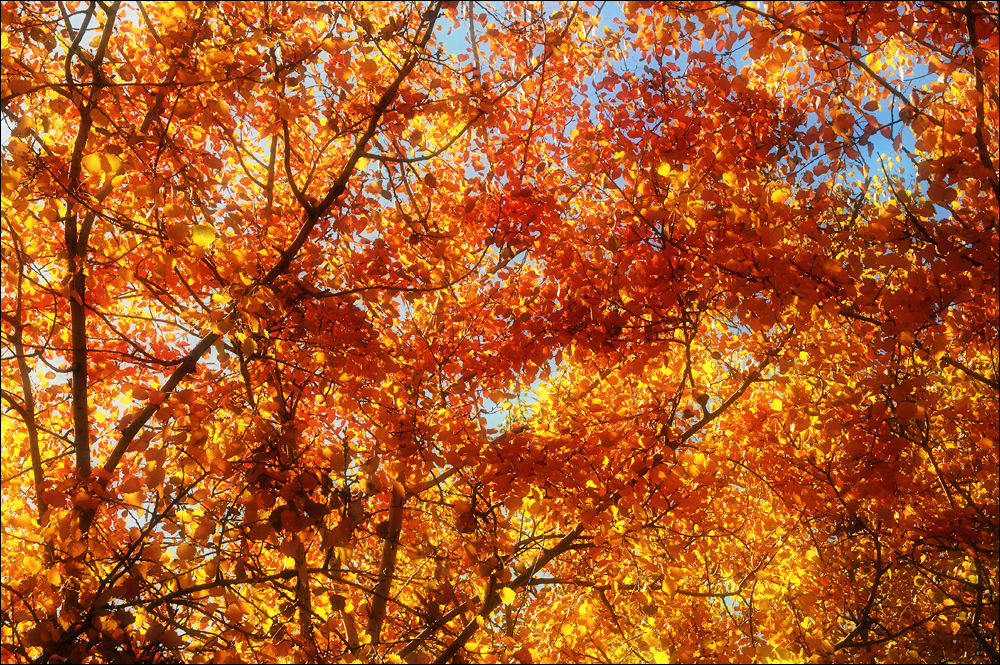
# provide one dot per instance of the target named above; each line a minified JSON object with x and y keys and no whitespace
{"x":430,"y":331}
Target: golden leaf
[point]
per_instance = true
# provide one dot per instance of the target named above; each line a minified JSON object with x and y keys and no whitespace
{"x":91,"y":163}
{"x":203,"y":235}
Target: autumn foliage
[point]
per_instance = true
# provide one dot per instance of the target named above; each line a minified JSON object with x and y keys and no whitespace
{"x":437,"y":331}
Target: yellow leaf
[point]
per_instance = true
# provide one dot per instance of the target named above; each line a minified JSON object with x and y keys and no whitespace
{"x":54,"y":577}
{"x":9,"y":180}
{"x":23,"y":522}
{"x":664,"y":169}
{"x":234,"y":612}
{"x":31,"y":565}
{"x":91,"y":163}
{"x":203,"y":235}
{"x":533,"y":506}
{"x":507,"y":595}
{"x":110,"y":163}
{"x":780,"y":195}
{"x":660,"y":656}
{"x":776,"y":404}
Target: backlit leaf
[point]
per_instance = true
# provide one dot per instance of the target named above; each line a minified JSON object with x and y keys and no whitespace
{"x":203,"y":235}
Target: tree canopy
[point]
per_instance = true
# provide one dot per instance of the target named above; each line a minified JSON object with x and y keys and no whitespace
{"x":500,"y":332}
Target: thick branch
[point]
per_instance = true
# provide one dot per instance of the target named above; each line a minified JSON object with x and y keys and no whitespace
{"x":387,"y":567}
{"x":984,"y":151}
{"x":76,"y":255}
{"x":27,"y":391}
